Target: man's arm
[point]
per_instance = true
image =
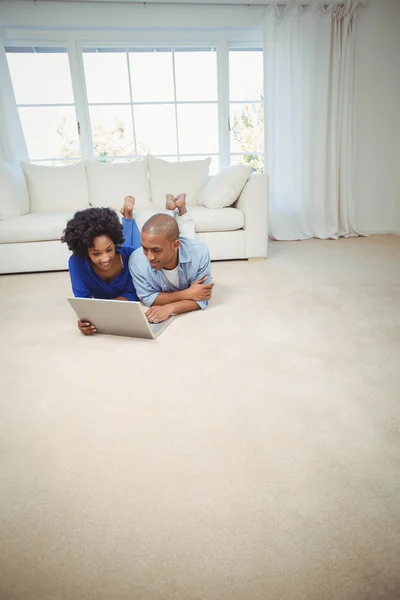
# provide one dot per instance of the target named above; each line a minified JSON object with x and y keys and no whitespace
{"x":170,"y":297}
{"x":198,"y":291}
{"x":145,"y":292}
{"x":204,"y":274}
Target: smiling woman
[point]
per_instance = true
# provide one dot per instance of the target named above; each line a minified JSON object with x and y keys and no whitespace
{"x":98,"y":266}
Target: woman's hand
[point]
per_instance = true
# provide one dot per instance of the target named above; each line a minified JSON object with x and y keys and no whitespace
{"x":86,"y":328}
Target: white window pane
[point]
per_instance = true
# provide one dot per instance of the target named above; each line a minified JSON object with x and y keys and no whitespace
{"x":214,"y":166}
{"x":54,"y":163}
{"x":246,"y":75}
{"x":116,"y":159}
{"x":50,"y":132}
{"x":41,"y":78}
{"x":247,"y":128}
{"x":151,"y":76}
{"x":255,"y":161}
{"x":106,"y":77}
{"x":112,"y":130}
{"x":198,"y":128}
{"x":196,"y":75}
{"x":155,"y":129}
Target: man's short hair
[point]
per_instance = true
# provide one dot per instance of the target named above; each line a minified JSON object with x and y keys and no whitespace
{"x":162,"y":224}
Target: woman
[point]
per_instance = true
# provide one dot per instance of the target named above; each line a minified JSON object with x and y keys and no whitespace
{"x":101,"y":248}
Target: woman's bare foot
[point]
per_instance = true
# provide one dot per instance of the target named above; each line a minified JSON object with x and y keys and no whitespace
{"x":180,"y":203}
{"x":127,"y":209}
{"x":170,"y":203}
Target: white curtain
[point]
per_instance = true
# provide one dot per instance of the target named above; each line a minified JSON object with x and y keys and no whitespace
{"x":309,"y":91}
{"x":12,"y":142}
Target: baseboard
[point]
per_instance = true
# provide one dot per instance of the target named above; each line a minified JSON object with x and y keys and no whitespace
{"x":382,"y":232}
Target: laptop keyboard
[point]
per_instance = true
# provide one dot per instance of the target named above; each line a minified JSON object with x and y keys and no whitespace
{"x":156,"y":327}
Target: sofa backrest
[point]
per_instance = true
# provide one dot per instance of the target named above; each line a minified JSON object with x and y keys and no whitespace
{"x":57,"y":189}
{"x":109,"y":183}
{"x":14,"y":195}
{"x":176,"y":177}
{"x":38,"y":188}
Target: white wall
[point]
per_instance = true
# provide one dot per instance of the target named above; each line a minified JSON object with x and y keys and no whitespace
{"x":378,"y":117}
{"x":140,"y":21}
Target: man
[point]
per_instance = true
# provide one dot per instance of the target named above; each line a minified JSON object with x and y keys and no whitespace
{"x":171,"y":274}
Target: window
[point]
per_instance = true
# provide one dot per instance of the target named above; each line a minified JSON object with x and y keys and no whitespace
{"x":43,"y":91}
{"x":246,"y":101}
{"x":158,"y":100}
{"x":131,"y":101}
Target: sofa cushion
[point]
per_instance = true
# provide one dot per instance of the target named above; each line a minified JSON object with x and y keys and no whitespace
{"x":176,"y":177}
{"x":110,"y":183}
{"x":57,"y":189}
{"x":224,"y":188}
{"x":205,"y":219}
{"x":40,"y":227}
{"x":14,"y":197}
{"x":34,"y":227}
{"x":215,"y":219}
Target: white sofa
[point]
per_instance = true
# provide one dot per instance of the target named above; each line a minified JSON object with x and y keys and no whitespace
{"x":37,"y":201}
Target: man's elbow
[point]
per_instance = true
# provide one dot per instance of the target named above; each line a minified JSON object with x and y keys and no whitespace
{"x":146,"y":302}
{"x":150,"y":300}
{"x":202,"y":304}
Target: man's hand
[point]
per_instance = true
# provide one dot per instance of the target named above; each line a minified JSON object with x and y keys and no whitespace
{"x":157,"y":314}
{"x":86,"y":328}
{"x":199,"y":290}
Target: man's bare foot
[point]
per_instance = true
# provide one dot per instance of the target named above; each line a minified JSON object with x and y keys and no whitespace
{"x":170,"y":203}
{"x":180,"y":203}
{"x":127,"y":209}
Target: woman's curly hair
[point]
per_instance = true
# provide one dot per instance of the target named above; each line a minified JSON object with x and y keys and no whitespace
{"x":87,"y":224}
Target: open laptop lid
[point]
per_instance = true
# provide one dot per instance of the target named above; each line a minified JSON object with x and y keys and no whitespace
{"x":116,"y":317}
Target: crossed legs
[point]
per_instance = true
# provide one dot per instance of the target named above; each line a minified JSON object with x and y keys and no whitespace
{"x":175,"y":205}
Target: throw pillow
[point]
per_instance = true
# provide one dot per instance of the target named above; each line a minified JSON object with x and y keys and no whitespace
{"x":110,"y":183}
{"x":14,"y":197}
{"x":57,"y":189}
{"x":224,"y":188}
{"x":177,"y":177}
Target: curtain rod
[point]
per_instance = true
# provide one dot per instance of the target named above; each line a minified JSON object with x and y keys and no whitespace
{"x":190,"y":2}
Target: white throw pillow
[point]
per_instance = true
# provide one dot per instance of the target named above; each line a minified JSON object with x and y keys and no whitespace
{"x":224,"y":188}
{"x":110,"y":183}
{"x":57,"y":189}
{"x":177,"y":177}
{"x":14,"y":197}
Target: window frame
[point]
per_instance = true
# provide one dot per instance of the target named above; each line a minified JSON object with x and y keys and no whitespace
{"x":34,"y":43}
{"x":232,"y":47}
{"x":76,"y":42}
{"x":171,"y":46}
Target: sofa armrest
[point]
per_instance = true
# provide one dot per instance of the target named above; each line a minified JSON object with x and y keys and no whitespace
{"x":253,"y":201}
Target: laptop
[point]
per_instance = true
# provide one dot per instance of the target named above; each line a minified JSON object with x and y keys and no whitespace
{"x":116,"y":317}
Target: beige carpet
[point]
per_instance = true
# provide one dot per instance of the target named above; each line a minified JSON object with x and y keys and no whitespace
{"x":252,"y":452}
